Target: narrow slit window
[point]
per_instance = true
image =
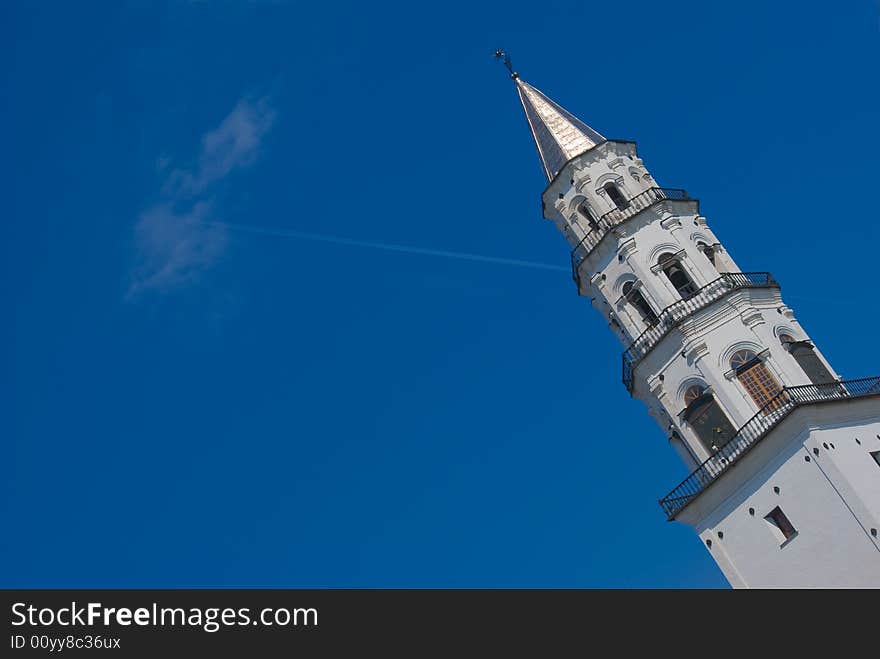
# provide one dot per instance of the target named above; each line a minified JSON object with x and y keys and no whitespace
{"x":781,"y":525}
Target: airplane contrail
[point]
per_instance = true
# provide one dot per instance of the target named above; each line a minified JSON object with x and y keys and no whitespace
{"x":406,"y":249}
{"x":338,"y":240}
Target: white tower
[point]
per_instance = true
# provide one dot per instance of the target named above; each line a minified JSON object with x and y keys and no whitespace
{"x":784,"y":489}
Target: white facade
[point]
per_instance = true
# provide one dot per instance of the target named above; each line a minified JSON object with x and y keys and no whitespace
{"x":828,"y":486}
{"x":792,"y":499}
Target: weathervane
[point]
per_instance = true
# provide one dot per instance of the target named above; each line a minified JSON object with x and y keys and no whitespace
{"x":505,"y":59}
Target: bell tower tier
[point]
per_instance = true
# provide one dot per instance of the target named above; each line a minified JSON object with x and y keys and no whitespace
{"x":784,"y":454}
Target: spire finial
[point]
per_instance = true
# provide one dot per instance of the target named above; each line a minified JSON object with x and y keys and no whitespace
{"x":504,"y":56}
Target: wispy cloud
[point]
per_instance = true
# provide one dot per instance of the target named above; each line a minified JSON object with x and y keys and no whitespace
{"x":174,"y":248}
{"x":233,"y":144}
{"x":174,"y":240}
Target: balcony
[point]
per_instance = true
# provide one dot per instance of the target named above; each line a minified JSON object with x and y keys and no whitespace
{"x":673,"y":315}
{"x":600,"y":228}
{"x":756,"y":428}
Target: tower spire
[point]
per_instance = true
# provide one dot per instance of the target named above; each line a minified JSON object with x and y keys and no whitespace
{"x":558,"y":134}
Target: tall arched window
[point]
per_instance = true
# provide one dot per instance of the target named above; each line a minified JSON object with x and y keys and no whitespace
{"x":756,"y":378}
{"x":634,"y":297}
{"x":706,"y":417}
{"x":677,"y":276}
{"x":807,"y":359}
{"x":587,"y":212}
{"x":616,"y":196}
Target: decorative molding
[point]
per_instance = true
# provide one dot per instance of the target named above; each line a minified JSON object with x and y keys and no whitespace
{"x":655,"y":386}
{"x":700,"y":220}
{"x":779,"y":330}
{"x":752,"y":317}
{"x":762,"y":356}
{"x":576,"y":201}
{"x":614,"y":164}
{"x":621,"y":281}
{"x":670,"y":223}
{"x":686,"y":384}
{"x":597,"y":281}
{"x":680,"y":255}
{"x":706,"y":391}
{"x":698,"y":237}
{"x":693,"y":353}
{"x":608,"y":177}
{"x":627,"y":248}
{"x":783,"y":310}
{"x":582,"y":183}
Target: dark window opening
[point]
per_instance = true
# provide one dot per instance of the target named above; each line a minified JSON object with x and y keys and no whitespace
{"x":781,"y":523}
{"x":635,"y":298}
{"x":616,"y":196}
{"x":708,"y":252}
{"x":585,"y":210}
{"x":807,"y":359}
{"x":677,"y":276}
{"x":876,"y":456}
{"x":708,"y":420}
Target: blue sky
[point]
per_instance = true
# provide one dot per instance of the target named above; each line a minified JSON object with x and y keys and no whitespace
{"x":198,"y":392}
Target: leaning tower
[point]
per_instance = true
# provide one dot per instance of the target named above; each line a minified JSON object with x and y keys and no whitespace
{"x":784,"y":454}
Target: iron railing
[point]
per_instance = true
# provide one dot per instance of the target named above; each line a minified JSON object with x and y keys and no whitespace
{"x":673,"y":315}
{"x":756,"y":428}
{"x":600,"y":228}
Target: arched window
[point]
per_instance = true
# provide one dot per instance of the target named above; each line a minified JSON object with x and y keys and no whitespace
{"x":807,"y":359}
{"x":587,"y":212}
{"x":677,"y":276}
{"x":692,"y":393}
{"x":708,"y":252}
{"x":756,"y":378}
{"x":616,"y":196}
{"x":706,"y":417}
{"x":634,"y":297}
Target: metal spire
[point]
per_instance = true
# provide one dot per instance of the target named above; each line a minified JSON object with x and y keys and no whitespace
{"x":558,"y":134}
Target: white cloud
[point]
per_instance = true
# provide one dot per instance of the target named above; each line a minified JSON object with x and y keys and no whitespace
{"x":233,"y":144}
{"x":174,"y":248}
{"x":174,"y":240}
